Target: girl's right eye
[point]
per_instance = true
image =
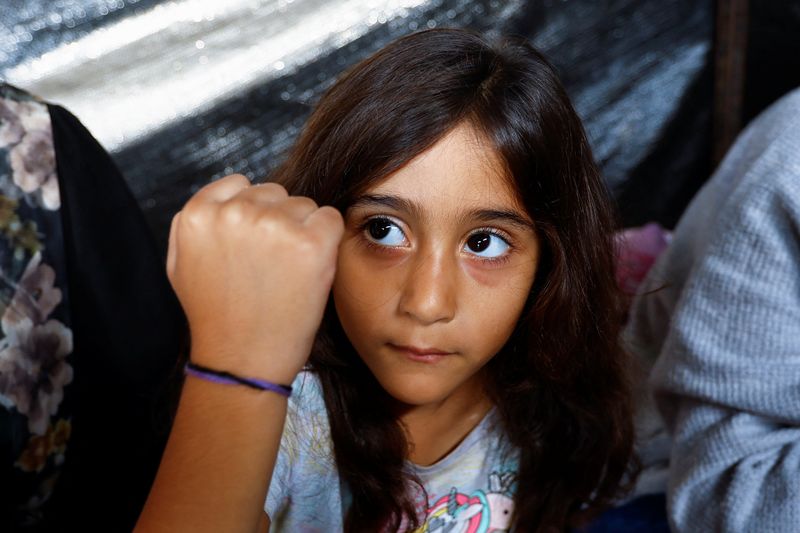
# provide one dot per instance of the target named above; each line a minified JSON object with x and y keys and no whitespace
{"x":384,"y":232}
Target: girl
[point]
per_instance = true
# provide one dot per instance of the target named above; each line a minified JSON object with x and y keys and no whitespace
{"x":453,"y":302}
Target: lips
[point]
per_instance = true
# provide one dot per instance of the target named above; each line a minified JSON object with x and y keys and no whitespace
{"x":420,"y":352}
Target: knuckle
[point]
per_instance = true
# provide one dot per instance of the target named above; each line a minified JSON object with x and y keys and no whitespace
{"x":337,"y":221}
{"x":319,"y":239}
{"x":302,"y":202}
{"x":308,"y":201}
{"x":312,"y":240}
{"x":274,"y":188}
{"x":305,"y":248}
{"x":232,"y":212}
{"x":332,"y":213}
{"x":236,"y":178}
{"x":271,"y":222}
{"x":195,"y":214}
{"x":331,"y":219}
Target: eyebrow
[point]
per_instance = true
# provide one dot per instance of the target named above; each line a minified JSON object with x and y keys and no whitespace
{"x":401,"y":204}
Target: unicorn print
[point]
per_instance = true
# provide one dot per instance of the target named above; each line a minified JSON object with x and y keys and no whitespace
{"x":478,"y":512}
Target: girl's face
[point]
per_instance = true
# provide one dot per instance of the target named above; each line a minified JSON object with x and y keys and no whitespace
{"x":434,"y":269}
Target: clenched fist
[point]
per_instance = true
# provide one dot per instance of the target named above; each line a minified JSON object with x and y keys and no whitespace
{"x":252,"y":268}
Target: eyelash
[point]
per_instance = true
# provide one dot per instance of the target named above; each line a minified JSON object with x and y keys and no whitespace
{"x":362,"y":228}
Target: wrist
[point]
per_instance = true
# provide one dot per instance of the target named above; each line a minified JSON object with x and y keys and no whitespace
{"x":223,"y":377}
{"x":243,"y":362}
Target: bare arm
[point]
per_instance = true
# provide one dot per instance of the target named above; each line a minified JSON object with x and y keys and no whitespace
{"x":218,"y":462}
{"x":252,"y":268}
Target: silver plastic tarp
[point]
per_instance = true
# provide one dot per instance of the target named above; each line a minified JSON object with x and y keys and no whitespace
{"x":184,"y":91}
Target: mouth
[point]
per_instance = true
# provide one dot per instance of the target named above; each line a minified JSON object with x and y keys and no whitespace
{"x":425,"y":355}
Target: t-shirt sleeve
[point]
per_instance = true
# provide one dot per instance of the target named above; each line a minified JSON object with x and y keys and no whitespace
{"x":305,"y":490}
{"x":280,"y":484}
{"x":727,"y":379}
{"x":289,"y":454}
{"x":278,"y":493}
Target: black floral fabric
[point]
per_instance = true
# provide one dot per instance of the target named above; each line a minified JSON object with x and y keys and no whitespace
{"x":36,"y":339}
{"x":90,"y":331}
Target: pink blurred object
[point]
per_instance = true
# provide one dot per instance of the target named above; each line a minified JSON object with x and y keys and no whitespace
{"x":637,"y":250}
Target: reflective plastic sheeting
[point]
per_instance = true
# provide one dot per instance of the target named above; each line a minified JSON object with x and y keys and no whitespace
{"x":184,"y":91}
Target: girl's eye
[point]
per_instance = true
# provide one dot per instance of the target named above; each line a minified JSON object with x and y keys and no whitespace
{"x":485,"y":244}
{"x":385,"y":232}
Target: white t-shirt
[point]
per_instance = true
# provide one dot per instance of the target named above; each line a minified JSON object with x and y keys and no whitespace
{"x":469,"y":491}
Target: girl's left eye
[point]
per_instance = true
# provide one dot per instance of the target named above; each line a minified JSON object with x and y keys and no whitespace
{"x":384,"y":232}
{"x":485,"y":244}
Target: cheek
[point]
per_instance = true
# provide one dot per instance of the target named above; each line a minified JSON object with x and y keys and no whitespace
{"x":495,"y":302}
{"x":494,"y":319}
{"x":362,"y":293}
{"x":518,"y":277}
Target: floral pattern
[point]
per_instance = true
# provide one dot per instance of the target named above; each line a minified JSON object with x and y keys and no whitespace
{"x":41,"y":447}
{"x":35,"y":334}
{"x":26,"y":133}
{"x":33,"y":369}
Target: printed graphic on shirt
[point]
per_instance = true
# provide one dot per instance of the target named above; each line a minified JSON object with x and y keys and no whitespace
{"x":477,"y":512}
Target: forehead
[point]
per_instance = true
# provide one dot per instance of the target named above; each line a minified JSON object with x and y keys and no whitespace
{"x":460,"y":171}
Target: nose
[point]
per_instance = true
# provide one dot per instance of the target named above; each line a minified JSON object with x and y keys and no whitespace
{"x":429,"y":293}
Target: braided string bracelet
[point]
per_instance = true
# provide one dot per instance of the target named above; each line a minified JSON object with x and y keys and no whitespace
{"x":226,"y":378}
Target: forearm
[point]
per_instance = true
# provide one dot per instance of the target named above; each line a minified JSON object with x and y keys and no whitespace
{"x":733,"y":471}
{"x":238,"y":258}
{"x":218,"y":462}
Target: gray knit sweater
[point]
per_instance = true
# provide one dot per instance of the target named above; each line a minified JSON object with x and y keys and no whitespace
{"x":723,"y":334}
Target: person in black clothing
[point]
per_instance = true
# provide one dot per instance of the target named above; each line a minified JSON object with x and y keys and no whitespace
{"x":91,"y":330}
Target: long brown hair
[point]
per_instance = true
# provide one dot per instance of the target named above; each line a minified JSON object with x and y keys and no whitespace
{"x":559,"y":383}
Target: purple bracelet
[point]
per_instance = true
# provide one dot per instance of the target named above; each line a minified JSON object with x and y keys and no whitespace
{"x":226,"y":378}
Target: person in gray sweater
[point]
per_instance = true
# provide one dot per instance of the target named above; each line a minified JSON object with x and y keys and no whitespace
{"x":718,"y":319}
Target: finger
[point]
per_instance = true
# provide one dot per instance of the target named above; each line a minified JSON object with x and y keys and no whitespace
{"x":172,"y":247}
{"x":327,"y":219}
{"x":264,"y":192}
{"x":298,"y":207}
{"x":221,"y":190}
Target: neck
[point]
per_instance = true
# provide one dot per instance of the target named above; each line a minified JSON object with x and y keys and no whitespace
{"x":434,"y":430}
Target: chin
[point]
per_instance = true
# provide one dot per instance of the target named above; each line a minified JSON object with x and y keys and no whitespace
{"x":414,"y":390}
